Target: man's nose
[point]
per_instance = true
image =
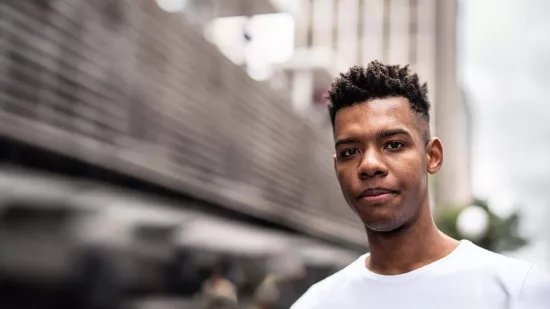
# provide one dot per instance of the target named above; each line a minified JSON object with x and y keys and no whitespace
{"x":372,"y":165}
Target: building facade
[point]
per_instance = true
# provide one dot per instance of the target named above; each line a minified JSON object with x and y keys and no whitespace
{"x":127,"y":87}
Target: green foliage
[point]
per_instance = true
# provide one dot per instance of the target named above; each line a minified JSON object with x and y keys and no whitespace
{"x":502,"y":234}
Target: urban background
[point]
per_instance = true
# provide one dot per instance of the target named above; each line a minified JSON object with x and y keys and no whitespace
{"x":165,"y":153}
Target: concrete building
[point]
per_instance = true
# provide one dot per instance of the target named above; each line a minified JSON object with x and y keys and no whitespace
{"x":138,"y":92}
{"x":452,"y":119}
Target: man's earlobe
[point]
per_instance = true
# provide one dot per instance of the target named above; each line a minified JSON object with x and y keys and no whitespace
{"x":434,"y":155}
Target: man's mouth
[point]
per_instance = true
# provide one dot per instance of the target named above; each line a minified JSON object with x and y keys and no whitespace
{"x":376,"y":195}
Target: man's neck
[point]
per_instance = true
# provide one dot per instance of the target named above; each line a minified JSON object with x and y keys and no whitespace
{"x":413,"y":247}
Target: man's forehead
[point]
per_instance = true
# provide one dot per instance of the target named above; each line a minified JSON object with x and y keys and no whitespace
{"x":375,"y":114}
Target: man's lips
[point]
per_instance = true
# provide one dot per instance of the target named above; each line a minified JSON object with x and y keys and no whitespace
{"x":376,"y":195}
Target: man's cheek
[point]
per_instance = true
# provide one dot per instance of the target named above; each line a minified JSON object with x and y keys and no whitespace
{"x":345,"y":182}
{"x":347,"y":187}
{"x":340,"y":176}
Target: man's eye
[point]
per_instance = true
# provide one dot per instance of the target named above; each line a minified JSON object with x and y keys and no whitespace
{"x":349,"y":152}
{"x":393,"y":146}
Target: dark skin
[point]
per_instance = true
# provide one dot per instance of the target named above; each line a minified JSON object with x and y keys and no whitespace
{"x":383,"y":158}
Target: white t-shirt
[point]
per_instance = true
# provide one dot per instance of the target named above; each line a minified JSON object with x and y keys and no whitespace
{"x":468,"y":278}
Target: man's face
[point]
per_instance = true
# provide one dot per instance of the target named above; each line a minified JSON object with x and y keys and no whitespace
{"x":381,"y":161}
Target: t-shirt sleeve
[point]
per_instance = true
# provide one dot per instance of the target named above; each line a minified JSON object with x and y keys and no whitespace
{"x":535,"y":291}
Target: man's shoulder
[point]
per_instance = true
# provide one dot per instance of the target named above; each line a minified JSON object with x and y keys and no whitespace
{"x":483,"y":258}
{"x":515,"y":274}
{"x":529,"y":282}
{"x":326,"y":289}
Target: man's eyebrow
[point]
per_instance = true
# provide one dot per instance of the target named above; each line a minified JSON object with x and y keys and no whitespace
{"x":392,"y":132}
{"x":382,"y":134}
{"x":342,"y":141}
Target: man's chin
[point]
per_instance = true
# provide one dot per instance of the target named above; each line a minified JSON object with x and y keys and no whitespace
{"x":384,"y":226}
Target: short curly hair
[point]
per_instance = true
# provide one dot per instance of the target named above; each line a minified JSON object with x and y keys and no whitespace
{"x":378,"y":81}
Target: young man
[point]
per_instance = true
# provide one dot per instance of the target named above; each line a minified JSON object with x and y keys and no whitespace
{"x":384,"y":153}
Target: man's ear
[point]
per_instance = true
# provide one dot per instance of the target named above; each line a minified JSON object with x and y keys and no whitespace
{"x":334,"y":162}
{"x":434,"y":155}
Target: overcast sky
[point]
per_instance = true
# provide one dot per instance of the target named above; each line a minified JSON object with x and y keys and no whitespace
{"x":505,"y":61}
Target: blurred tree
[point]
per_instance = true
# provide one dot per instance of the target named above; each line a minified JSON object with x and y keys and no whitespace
{"x":502,"y":233}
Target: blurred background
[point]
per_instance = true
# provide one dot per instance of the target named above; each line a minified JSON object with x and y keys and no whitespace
{"x":178,"y":153}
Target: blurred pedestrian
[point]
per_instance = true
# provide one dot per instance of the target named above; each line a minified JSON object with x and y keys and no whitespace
{"x":218,"y":291}
{"x":267,"y":294}
{"x":384,"y":154}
